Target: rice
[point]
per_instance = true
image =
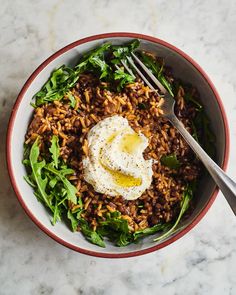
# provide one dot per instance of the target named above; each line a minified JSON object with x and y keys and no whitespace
{"x":140,"y":105}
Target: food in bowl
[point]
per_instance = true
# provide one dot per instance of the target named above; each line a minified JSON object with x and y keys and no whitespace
{"x":99,"y":154}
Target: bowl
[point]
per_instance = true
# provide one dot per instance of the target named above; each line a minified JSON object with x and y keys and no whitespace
{"x":183,"y":67}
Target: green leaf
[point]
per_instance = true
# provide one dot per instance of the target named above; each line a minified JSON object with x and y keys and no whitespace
{"x":115,"y":61}
{"x":194,"y":133}
{"x":134,"y":44}
{"x":53,"y":181}
{"x":72,"y":100}
{"x":116,"y":229}
{"x":70,"y":188}
{"x":95,"y":60}
{"x":26,"y":152}
{"x":80,"y":202}
{"x":56,"y":214}
{"x":51,"y":187}
{"x":89,"y":234}
{"x":98,"y":62}
{"x":66,"y":171}
{"x":26,"y":162}
{"x":157,"y":70}
{"x":188,"y":194}
{"x":124,"y":239}
{"x":37,"y":173}
{"x":60,"y":81}
{"x":117,"y":224}
{"x":151,"y":63}
{"x":39,"y":197}
{"x":78,"y":215}
{"x":121,"y":51}
{"x":124,"y":78}
{"x":189,"y":98}
{"x":150,"y":230}
{"x":170,"y":161}
{"x":74,"y":221}
{"x":33,"y":105}
{"x":55,"y":150}
{"x":166,"y":84}
{"x":28,"y":179}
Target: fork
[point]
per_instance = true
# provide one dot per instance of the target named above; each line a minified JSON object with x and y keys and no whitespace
{"x":222,"y":180}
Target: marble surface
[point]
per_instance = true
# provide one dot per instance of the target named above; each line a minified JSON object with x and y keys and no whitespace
{"x":202,"y":262}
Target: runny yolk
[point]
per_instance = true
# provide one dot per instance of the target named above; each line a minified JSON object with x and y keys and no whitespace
{"x":130,"y":142}
{"x":122,"y":179}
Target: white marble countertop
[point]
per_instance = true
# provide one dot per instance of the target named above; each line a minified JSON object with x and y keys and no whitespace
{"x":203,"y":261}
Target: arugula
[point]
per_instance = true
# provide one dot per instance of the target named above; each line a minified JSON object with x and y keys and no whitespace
{"x":189,"y":98}
{"x":72,"y":99}
{"x":116,"y":229}
{"x":95,"y":59}
{"x":55,"y":150}
{"x":89,"y":234}
{"x":124,"y":78}
{"x":51,"y":187}
{"x":36,"y":176}
{"x":170,"y":161}
{"x":64,"y":78}
{"x":70,"y":189}
{"x":29,"y":180}
{"x":26,"y":154}
{"x":157,"y":70}
{"x":73,"y":219}
{"x":188,"y":194}
{"x":121,"y":51}
{"x":194,"y":132}
{"x":150,"y":230}
{"x":56,"y":214}
{"x":60,"y":81}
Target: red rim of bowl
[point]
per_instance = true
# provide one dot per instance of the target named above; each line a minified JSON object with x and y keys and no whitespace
{"x":10,"y":130}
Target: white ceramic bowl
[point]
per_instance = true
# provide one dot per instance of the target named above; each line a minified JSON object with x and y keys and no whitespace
{"x":183,"y":67}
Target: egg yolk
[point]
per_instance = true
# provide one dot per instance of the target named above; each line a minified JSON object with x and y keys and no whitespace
{"x":122,"y":179}
{"x":130,"y":142}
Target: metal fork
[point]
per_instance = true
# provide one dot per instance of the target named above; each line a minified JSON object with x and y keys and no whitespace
{"x":224,"y":182}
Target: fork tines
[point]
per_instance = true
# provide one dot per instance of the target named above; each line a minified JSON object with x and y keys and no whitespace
{"x":146,"y":70}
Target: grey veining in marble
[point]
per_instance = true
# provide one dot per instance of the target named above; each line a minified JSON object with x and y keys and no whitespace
{"x":202,"y":262}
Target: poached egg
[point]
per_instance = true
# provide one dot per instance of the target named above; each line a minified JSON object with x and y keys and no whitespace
{"x":115,"y":165}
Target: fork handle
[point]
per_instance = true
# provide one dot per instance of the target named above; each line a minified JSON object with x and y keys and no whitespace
{"x":224,"y":182}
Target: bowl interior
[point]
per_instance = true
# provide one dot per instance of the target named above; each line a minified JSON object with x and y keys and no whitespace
{"x":182,"y":68}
